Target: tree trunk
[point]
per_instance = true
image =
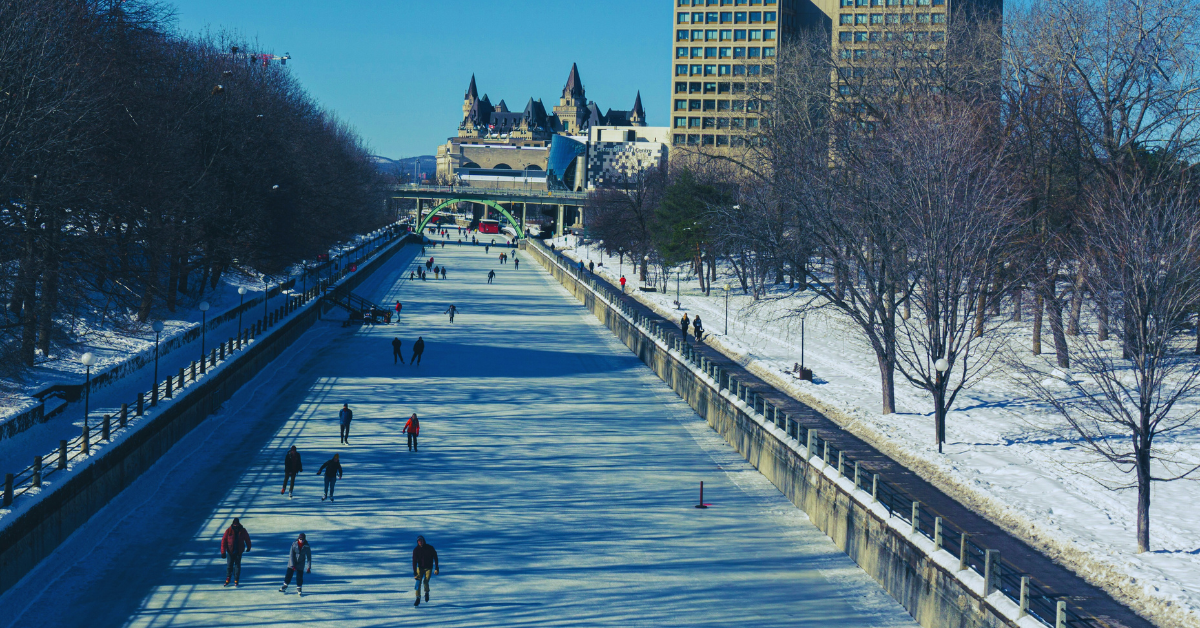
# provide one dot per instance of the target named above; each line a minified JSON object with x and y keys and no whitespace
{"x":1054,"y":307}
{"x":1143,"y":503}
{"x":49,"y":289}
{"x":1018,"y":303}
{"x":1076,"y":304}
{"x":980,"y":310}
{"x":887,"y":378}
{"x":28,"y":292}
{"x":1102,"y":318}
{"x":1037,"y":324}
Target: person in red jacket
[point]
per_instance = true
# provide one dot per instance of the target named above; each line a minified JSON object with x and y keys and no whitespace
{"x":233,"y":543}
{"x":412,"y":428}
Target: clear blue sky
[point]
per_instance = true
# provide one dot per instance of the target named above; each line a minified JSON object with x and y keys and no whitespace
{"x":397,"y":69}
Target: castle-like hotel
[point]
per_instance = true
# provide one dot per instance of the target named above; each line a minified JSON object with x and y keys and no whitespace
{"x":497,"y":146}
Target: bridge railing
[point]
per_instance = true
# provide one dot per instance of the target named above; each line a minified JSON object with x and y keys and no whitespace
{"x":467,"y":190}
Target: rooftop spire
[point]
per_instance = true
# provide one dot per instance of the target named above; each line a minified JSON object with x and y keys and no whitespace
{"x":638,"y":112}
{"x":574,"y":86}
{"x":472,"y":93}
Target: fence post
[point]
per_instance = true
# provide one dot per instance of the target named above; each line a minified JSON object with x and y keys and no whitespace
{"x":962,"y":551}
{"x":62,"y":454}
{"x":141,"y":403}
{"x":193,"y":370}
{"x":874,"y":487}
{"x":124,"y":414}
{"x":181,"y":378}
{"x":1060,"y":619}
{"x":213,"y":359}
{"x":153,"y":396}
{"x":37,"y":471}
{"x":222,"y":345}
{"x":991,"y":559}
{"x":916,"y":514}
{"x":808,"y":449}
{"x":167,"y":388}
{"x":855,"y":474}
{"x":840,"y":459}
{"x":8,"y":482}
{"x":937,"y":533}
{"x":106,"y":427}
{"x":1024,"y":609}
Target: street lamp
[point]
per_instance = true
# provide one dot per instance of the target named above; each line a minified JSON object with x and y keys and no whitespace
{"x":158,"y":327}
{"x":620,"y":261}
{"x":267,"y":295}
{"x":645,"y":265}
{"x":678,"y":272}
{"x":203,"y":324}
{"x":89,"y":360}
{"x":241,"y":300}
{"x":726,"y":309}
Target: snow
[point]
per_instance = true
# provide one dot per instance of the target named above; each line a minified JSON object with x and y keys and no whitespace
{"x":1008,"y":457}
{"x":556,"y":477}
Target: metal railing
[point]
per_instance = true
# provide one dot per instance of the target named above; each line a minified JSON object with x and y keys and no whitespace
{"x":31,"y":477}
{"x":481,"y":191}
{"x":1032,"y":598}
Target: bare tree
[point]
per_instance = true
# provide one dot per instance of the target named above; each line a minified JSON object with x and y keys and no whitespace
{"x":1143,"y":244}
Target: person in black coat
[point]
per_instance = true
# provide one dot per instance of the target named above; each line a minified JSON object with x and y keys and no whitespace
{"x":418,"y":349}
{"x":397,"y":344}
{"x":333,"y":471}
{"x":698,"y":328}
{"x":425,"y":563}
{"x":291,"y":466}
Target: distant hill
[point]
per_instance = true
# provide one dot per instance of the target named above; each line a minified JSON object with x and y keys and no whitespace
{"x":407,"y":168}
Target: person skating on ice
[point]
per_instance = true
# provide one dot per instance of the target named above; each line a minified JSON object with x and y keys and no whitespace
{"x":397,"y":354}
{"x":344,"y":417}
{"x":291,"y":467}
{"x":300,"y":554}
{"x":425,"y":564}
{"x":451,"y":311}
{"x":333,"y":471}
{"x":235,"y":541}
{"x":412,"y":428}
{"x":443,"y":272}
{"x":491,"y":275}
{"x":516,"y":262}
{"x":418,"y":349}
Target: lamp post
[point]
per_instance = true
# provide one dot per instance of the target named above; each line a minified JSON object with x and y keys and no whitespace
{"x":942,"y":365}
{"x":678,"y":305}
{"x":203,"y":330}
{"x":620,"y":261}
{"x":645,"y":266}
{"x":266,"y":295}
{"x":726,"y":309}
{"x":241,"y":300}
{"x":89,"y":360}
{"x":158,"y":327}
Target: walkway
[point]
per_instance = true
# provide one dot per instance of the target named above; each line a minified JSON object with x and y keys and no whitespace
{"x":556,"y":478}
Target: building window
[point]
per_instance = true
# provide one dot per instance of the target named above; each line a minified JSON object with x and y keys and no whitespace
{"x":752,"y":70}
{"x":739,"y":70}
{"x":906,"y":18}
{"x":739,"y":53}
{"x":860,"y":54}
{"x":722,"y":105}
{"x":844,"y":90}
{"x":678,"y":139}
{"x":693,"y":140}
{"x":756,"y":35}
{"x":710,"y":35}
{"x":860,"y":37}
{"x":874,"y":36}
{"x":697,"y":18}
{"x":683,"y":18}
{"x":768,"y":16}
{"x":722,"y":123}
{"x":769,"y":35}
{"x":756,"y":17}
{"x":722,"y":141}
{"x":710,"y":88}
{"x":696,"y":69}
{"x":739,"y":35}
{"x":876,"y":18}
{"x":693,"y":123}
{"x":752,"y":53}
{"x":845,"y":37}
{"x":712,"y":18}
{"x":710,"y":105}
{"x":845,"y":19}
{"x":739,"y":88}
{"x":694,"y":88}
{"x":697,"y":35}
{"x":723,"y":70}
{"x":681,"y":53}
{"x":937,"y":36}
{"x":726,"y":52}
{"x":709,"y":123}
{"x":938,"y":18}
{"x":680,"y":123}
{"x":726,"y":17}
{"x":710,"y":53}
{"x":892,"y":18}
{"x":708,"y":140}
{"x":860,"y":19}
{"x":939,"y":3}
{"x":768,"y":52}
{"x":681,"y":36}
{"x":696,"y":52}
{"x":737,"y":124}
{"x":922,"y":18}
{"x":680,"y":87}
{"x":726,"y":35}
{"x":739,"y":17}
{"x":681,"y":105}
{"x":710,"y":70}
{"x":681,"y":70}
{"x":694,"y":105}
{"x":844,"y":53}
{"x":722,"y":88}
{"x":738,"y":105}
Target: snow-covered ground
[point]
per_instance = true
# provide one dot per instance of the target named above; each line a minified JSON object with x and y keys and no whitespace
{"x":556,"y":477}
{"x":1008,"y":456}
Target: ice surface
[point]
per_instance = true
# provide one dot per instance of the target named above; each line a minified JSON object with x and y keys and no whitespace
{"x":556,"y":477}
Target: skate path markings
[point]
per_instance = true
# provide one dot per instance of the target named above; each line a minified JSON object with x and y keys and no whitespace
{"x":556,"y":479}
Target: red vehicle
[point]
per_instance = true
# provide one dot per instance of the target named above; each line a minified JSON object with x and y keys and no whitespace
{"x":489,"y":226}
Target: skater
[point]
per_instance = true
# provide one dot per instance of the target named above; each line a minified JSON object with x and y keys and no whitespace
{"x":412,"y":428}
{"x":698,"y":328}
{"x":418,"y":349}
{"x":684,"y":324}
{"x":425,"y":560}
{"x":485,"y":249}
{"x":451,"y":311}
{"x":443,"y":272}
{"x":397,"y":354}
{"x":291,"y":467}
{"x":412,"y":274}
{"x":491,"y":275}
{"x":344,"y":418}
{"x":398,"y":308}
{"x":297,"y":556}
{"x":333,"y":471}
{"x":233,"y":543}
{"x":516,"y":263}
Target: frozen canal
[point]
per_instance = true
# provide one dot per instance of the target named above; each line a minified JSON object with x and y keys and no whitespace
{"x":556,"y":477}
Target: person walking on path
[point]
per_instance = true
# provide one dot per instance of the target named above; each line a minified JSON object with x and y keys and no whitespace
{"x":291,"y":467}
{"x":418,"y":349}
{"x":233,"y":543}
{"x":397,"y":354}
{"x":622,"y":284}
{"x":491,"y":275}
{"x":698,"y":328}
{"x":412,"y":428}
{"x":425,"y":564}
{"x":516,"y":262}
{"x":591,"y":267}
{"x":451,"y":311}
{"x":344,"y":418}
{"x":297,"y":557}
{"x":333,"y":471}
{"x":684,"y":324}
